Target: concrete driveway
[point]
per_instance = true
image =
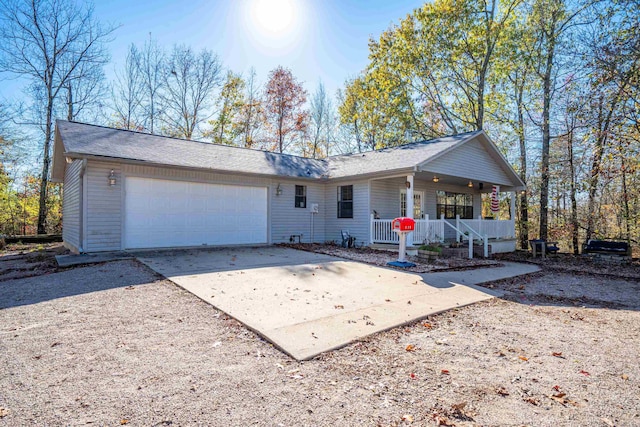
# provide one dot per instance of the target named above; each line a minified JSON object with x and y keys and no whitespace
{"x":307,"y":303}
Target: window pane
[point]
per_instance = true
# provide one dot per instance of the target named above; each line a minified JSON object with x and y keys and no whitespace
{"x":345,"y":201}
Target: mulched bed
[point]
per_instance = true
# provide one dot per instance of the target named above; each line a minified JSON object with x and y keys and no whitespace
{"x":19,"y":260}
{"x":382,"y":257}
{"x":577,"y":264}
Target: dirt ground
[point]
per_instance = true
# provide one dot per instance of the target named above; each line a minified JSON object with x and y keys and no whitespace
{"x":114,"y":344}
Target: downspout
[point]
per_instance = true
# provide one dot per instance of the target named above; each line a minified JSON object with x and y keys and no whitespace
{"x":83,"y":168}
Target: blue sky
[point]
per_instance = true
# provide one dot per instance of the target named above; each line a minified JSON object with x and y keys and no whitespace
{"x":317,"y":39}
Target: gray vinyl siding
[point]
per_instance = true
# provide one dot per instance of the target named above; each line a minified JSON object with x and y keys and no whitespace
{"x":359,"y":225}
{"x":287,"y":220}
{"x":71,"y":206}
{"x":385,"y":197}
{"x":103,"y":219}
{"x":473,"y":162}
{"x":105,"y":204}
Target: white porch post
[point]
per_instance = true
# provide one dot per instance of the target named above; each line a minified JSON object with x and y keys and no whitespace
{"x":512,"y":208}
{"x":409,"y":212}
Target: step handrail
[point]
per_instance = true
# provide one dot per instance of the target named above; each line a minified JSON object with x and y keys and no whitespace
{"x":485,"y":239}
{"x":461,"y":233}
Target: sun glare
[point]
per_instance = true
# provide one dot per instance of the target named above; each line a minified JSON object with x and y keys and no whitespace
{"x":274,"y":17}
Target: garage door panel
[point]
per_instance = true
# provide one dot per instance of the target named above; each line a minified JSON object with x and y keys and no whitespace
{"x":164,"y":213}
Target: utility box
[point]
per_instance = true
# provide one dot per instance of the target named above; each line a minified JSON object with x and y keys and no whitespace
{"x":314,"y":208}
{"x":403,"y":224}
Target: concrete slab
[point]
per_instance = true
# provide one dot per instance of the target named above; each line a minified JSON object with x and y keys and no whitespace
{"x":82,"y":259}
{"x":307,"y":303}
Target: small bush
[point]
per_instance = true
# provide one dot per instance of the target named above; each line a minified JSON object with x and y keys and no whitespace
{"x":431,"y":248}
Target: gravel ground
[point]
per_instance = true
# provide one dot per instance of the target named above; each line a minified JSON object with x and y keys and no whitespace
{"x":114,"y":344}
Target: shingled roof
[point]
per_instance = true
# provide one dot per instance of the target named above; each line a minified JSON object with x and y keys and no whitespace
{"x":389,"y":159}
{"x":77,"y":140}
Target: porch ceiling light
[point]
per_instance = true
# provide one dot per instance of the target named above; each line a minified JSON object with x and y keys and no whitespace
{"x":112,"y":178}
{"x":470,"y":184}
{"x":435,"y":179}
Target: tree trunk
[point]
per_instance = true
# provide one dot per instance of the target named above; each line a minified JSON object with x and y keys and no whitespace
{"x":523,"y":224}
{"x":546,"y":140}
{"x":70,"y":104}
{"x":44,"y":179}
{"x":572,"y":196}
{"x":625,"y":200}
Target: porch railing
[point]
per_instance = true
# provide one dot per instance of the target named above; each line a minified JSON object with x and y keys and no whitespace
{"x":426,"y":230}
{"x":493,"y":228}
{"x":434,"y":230}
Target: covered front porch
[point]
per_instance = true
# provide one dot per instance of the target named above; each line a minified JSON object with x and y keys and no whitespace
{"x":446,"y":208}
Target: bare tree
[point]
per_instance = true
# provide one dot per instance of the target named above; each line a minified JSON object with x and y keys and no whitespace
{"x":151,"y":60}
{"x":84,"y":92}
{"x":127,"y":92}
{"x":252,"y":111}
{"x":47,"y":41}
{"x":190,"y":82}
{"x":319,"y":117}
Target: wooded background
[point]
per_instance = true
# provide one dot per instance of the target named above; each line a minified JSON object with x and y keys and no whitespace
{"x":555,"y":83}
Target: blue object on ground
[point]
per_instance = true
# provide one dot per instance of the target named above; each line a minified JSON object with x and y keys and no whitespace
{"x":401,"y":264}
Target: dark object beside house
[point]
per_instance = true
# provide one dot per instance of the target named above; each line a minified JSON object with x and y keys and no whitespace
{"x":537,"y":246}
{"x":348,"y":241}
{"x":607,"y":247}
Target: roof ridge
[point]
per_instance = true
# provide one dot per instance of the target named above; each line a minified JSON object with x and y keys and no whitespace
{"x":424,"y":141}
{"x":189,"y":140}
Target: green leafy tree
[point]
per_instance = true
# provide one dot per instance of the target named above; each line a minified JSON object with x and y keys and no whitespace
{"x":226,"y":126}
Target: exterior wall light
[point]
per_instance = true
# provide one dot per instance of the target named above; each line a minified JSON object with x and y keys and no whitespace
{"x":278,"y":190}
{"x":435,"y":179}
{"x":112,"y":178}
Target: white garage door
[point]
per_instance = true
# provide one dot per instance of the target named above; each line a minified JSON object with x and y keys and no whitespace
{"x":163,"y":213}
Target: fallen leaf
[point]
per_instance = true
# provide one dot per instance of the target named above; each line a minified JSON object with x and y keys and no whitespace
{"x":607,"y":421}
{"x":445,"y":372}
{"x":3,"y":412}
{"x":123,"y":422}
{"x":585,"y":373}
{"x":442,"y":420}
{"x":407,"y":418}
{"x":427,"y":325}
{"x":387,"y":300}
{"x":339,"y":307}
{"x":561,"y":399}
{"x":502,"y":391}
{"x":410,"y":347}
{"x":458,"y":406}
{"x":556,"y":387}
{"x":409,"y":302}
{"x":624,"y":377}
{"x":413,"y":376}
{"x":523,"y":358}
{"x":532,"y":400}
{"x":555,"y":354}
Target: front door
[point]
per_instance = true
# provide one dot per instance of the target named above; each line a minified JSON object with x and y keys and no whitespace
{"x":418,"y":209}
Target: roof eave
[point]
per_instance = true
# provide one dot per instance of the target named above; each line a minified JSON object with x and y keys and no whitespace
{"x":100,"y":158}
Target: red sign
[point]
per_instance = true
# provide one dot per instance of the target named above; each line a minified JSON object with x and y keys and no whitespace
{"x":403,"y":224}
